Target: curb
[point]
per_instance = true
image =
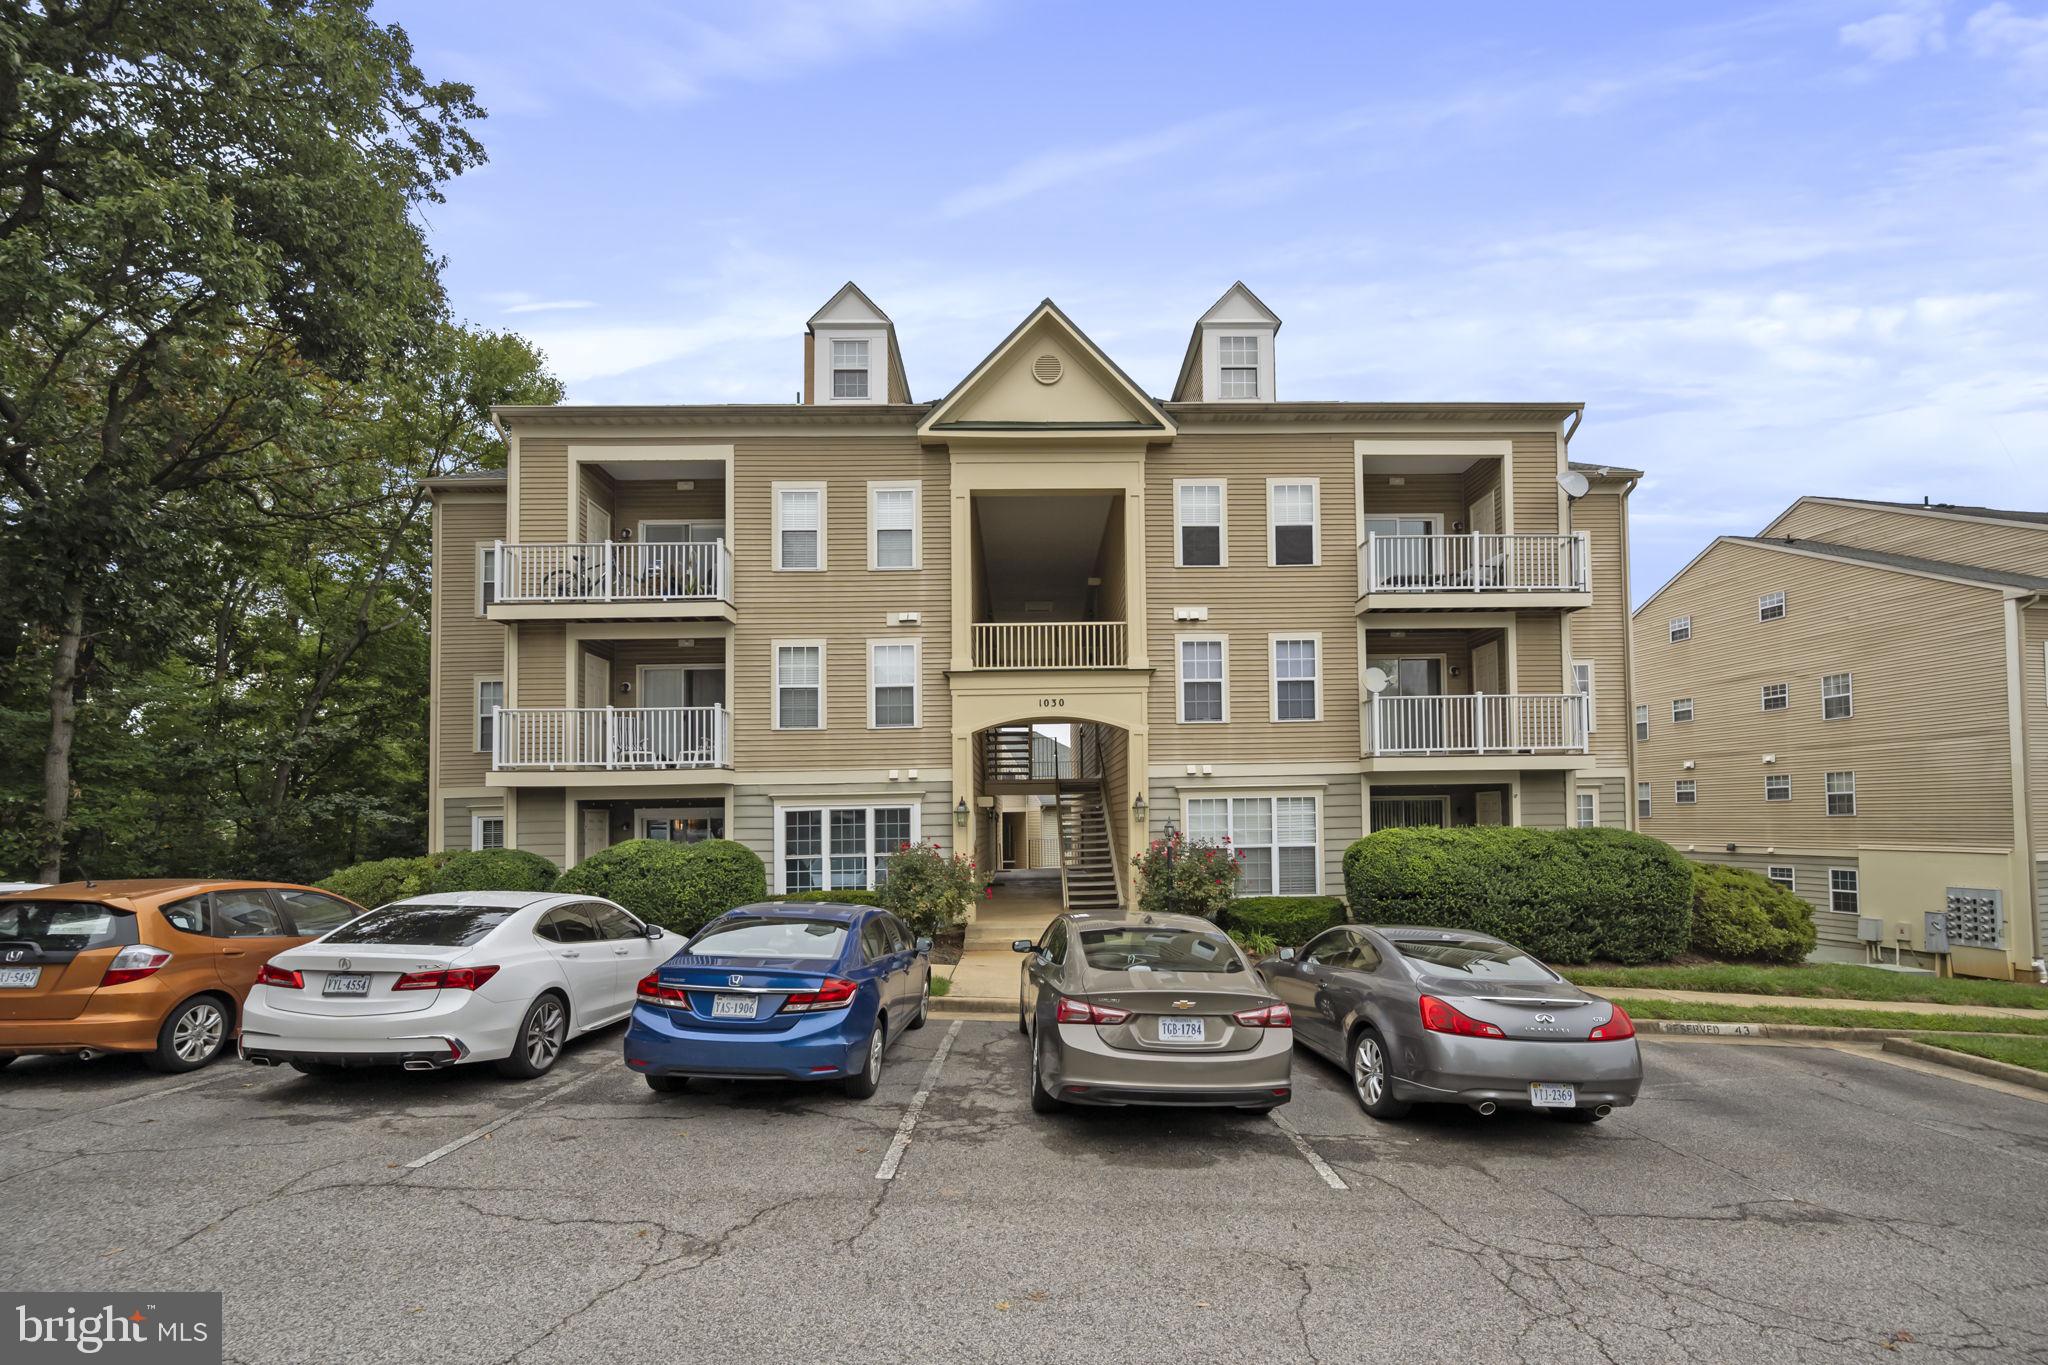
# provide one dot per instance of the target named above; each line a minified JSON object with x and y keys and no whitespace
{"x":1964,"y":1061}
{"x":971,"y":1006}
{"x":1816,"y":1032}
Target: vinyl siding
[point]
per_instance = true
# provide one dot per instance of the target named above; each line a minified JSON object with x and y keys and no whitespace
{"x":455,"y":819}
{"x":1928,"y":740}
{"x":1538,"y":461}
{"x":537,"y":822}
{"x":1544,"y":800}
{"x":1539,"y":653}
{"x":1117,"y":796}
{"x":629,"y":656}
{"x":541,"y":661}
{"x":1599,"y":633}
{"x":1611,"y":802}
{"x":543,"y":490}
{"x":1989,"y":544}
{"x":468,"y":646}
{"x":2034,"y":717}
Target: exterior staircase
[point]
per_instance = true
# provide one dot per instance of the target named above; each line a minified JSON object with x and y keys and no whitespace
{"x":1088,"y":868}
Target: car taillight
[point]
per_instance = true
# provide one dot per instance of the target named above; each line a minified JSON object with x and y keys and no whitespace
{"x":133,"y":963}
{"x":1272,"y":1016}
{"x":652,"y":992}
{"x":1071,"y":1011}
{"x":1441,"y":1017}
{"x":1617,"y":1027}
{"x":282,"y":977}
{"x":835,"y":993}
{"x":445,"y":979}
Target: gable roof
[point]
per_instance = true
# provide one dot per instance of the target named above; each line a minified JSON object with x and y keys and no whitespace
{"x":1257,"y":309}
{"x":1146,"y":416}
{"x":1973,"y":574}
{"x":1953,"y":509}
{"x":851,"y":307}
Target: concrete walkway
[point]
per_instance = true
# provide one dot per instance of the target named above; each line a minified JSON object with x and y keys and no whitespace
{"x":987,"y":969}
{"x":1813,"y":1002}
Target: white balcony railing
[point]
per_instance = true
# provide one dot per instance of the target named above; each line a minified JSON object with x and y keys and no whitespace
{"x":552,"y":737}
{"x":615,"y":571}
{"x":1050,"y":644}
{"x":1481,"y":723}
{"x":1474,"y":563}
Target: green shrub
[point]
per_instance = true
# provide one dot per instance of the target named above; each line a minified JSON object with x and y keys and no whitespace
{"x":1255,"y":945}
{"x":1566,"y":895}
{"x":1289,"y":921}
{"x":930,"y":890}
{"x":1182,"y":876}
{"x":832,"y":897}
{"x":678,"y":886}
{"x":493,"y":869}
{"x":1742,"y":916}
{"x":379,"y":882}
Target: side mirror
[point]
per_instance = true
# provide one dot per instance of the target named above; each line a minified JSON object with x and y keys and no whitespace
{"x":1286,"y":954}
{"x":653,"y":932}
{"x":1022,"y":945}
{"x":924,"y":946}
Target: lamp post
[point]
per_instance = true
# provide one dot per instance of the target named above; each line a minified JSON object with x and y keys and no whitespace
{"x":1171,"y":831}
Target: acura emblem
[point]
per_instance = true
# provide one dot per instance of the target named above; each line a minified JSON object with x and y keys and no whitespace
{"x":345,"y":964}
{"x":1183,"y":1004}
{"x":1546,"y":1018}
{"x":734,"y":979}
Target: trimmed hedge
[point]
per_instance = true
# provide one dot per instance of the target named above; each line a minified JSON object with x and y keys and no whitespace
{"x":1289,"y":921}
{"x":1742,"y":916}
{"x":681,"y":887}
{"x":380,"y":881}
{"x":493,"y":869}
{"x":1566,"y":895}
{"x":833,"y":897}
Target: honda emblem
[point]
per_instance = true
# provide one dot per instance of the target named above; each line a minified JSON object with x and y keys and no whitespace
{"x":734,"y":979}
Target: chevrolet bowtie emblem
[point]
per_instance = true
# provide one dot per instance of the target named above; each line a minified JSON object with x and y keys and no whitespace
{"x":1183,"y":1004}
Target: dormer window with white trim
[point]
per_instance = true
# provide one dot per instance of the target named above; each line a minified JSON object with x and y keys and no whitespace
{"x":1230,"y":355}
{"x":849,"y":367}
{"x":1240,"y":366}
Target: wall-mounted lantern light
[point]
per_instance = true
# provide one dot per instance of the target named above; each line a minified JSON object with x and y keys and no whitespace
{"x":960,"y":813}
{"x":1138,"y":808}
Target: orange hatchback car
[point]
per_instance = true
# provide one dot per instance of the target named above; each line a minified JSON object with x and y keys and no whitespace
{"x":158,"y":968}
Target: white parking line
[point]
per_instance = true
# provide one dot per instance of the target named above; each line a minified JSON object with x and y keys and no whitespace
{"x":431,"y":1157}
{"x":1308,"y":1152}
{"x":901,"y":1142}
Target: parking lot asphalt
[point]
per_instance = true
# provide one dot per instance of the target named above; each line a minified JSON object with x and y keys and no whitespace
{"x":1760,"y":1204}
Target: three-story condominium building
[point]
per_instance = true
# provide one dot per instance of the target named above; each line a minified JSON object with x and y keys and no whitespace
{"x":1855,"y":704}
{"x":831,"y":627}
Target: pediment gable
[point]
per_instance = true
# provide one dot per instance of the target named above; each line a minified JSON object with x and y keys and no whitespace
{"x":1047,"y":376}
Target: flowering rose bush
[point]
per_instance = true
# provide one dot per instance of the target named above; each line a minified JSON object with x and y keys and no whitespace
{"x":929,"y":889}
{"x":1182,"y":876}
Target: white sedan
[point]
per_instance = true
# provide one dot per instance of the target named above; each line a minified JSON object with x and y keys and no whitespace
{"x":469,"y":976}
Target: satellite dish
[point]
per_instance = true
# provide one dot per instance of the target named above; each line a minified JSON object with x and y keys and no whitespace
{"x":1573,"y":483}
{"x":1376,"y":680}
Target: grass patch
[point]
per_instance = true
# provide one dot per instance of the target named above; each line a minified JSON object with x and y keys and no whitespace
{"x":2031,"y":1053}
{"x":940,"y":985}
{"x":1830,"y":1016}
{"x":1818,"y":981}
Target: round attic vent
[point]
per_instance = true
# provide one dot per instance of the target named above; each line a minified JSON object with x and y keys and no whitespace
{"x":1047,"y":369}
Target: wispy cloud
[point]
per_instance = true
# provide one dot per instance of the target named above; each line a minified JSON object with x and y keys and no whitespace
{"x":2000,"y":31}
{"x":551,"y":306}
{"x":1901,"y":34}
{"x":1051,"y":170}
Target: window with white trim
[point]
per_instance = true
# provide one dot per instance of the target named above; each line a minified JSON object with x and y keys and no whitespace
{"x":486,"y":577}
{"x":1272,"y":837}
{"x":1239,"y":357}
{"x":1783,"y":875}
{"x":490,"y":695}
{"x":1642,"y":800}
{"x":1681,"y":710}
{"x":1588,"y":809}
{"x":1844,"y":896}
{"x":1777,"y":696}
{"x":800,"y":687}
{"x":1841,"y":793}
{"x":1291,"y":517}
{"x":1837,"y":696}
{"x":892,"y":684}
{"x":1582,"y":683}
{"x":892,"y":517}
{"x":1681,"y":629}
{"x":1642,"y":722}
{"x":1685,"y":792}
{"x":1778,"y":787}
{"x":1198,"y":525}
{"x":800,"y":527}
{"x":849,"y":367}
{"x":1771,"y":607}
{"x":1202,"y":660}
{"x":486,"y":831}
{"x":840,"y":848}
{"x":1297,"y":678}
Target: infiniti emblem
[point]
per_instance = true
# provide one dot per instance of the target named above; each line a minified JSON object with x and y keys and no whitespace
{"x":1546,"y":1018}
{"x":734,"y":979}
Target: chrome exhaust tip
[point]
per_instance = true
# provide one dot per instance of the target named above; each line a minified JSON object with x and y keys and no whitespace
{"x":1484,"y":1108}
{"x":261,"y":1061}
{"x":419,"y":1064}
{"x":86,"y":1054}
{"x":1601,"y":1111}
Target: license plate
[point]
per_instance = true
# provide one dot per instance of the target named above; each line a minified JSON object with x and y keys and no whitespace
{"x":1549,"y":1095}
{"x":734,"y":1006}
{"x":1183,"y":1031}
{"x":20,"y":977}
{"x":346,"y":983}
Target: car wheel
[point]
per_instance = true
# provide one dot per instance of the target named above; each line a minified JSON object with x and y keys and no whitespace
{"x":868,"y":1079}
{"x":1369,"y":1079}
{"x":668,"y":1085}
{"x":540,"y":1039}
{"x":924,"y":1004}
{"x":193,"y":1035}
{"x":1043,"y":1101}
{"x":1577,"y":1115}
{"x":1022,"y":1026}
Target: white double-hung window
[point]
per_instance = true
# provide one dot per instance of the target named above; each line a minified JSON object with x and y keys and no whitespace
{"x":799,"y":526}
{"x":1582,"y":683}
{"x":1297,"y":677}
{"x":1837,"y":696}
{"x":839,"y":848}
{"x":1239,"y":357}
{"x":892,"y":515}
{"x":1841,"y":793}
{"x":1198,"y":525}
{"x":849,"y":368}
{"x":490,"y":695}
{"x":892,"y":680}
{"x":800,"y":686}
{"x":1273,"y":837}
{"x":1203,"y":696}
{"x":1291,"y":519}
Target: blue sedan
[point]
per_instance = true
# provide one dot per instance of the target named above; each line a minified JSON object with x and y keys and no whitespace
{"x":807,"y":992}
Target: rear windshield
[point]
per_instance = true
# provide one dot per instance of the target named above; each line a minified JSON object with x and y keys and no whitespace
{"x":771,"y":938}
{"x":1473,"y":958}
{"x":65,"y":926}
{"x":429,"y":926}
{"x":1158,"y":950}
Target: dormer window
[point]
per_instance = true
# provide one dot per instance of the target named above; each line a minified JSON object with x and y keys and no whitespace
{"x":849,"y":368}
{"x":1240,"y":366}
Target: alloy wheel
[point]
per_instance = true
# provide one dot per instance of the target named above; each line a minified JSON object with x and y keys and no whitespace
{"x":875,"y":1054}
{"x":199,"y":1033}
{"x":544,"y":1035}
{"x":1369,"y":1070}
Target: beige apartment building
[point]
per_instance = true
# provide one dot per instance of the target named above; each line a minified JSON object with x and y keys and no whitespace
{"x":1855,"y":703}
{"x":829,"y":627}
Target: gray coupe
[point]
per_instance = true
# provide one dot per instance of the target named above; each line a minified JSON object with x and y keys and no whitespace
{"x":1448,"y":1016}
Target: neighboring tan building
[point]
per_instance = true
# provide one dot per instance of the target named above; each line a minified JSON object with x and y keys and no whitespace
{"x":826,"y":628}
{"x":1854,"y":704}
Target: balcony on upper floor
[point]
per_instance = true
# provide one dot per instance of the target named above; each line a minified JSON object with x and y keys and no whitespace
{"x":1513,"y":730}
{"x":1474,"y":571}
{"x":1051,"y":644}
{"x":609,"y":740}
{"x":615,"y":580}
{"x":1049,"y":582}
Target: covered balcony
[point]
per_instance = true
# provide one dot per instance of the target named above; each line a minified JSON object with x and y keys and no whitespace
{"x":1048,"y":582}
{"x":1431,"y":565}
{"x":1477,"y":724}
{"x":611,"y":738}
{"x":614,"y":571}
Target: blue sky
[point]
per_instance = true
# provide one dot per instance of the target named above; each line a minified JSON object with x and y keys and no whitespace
{"x":1775,"y":248}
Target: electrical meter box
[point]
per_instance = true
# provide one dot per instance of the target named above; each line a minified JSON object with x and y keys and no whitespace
{"x":1974,"y":918}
